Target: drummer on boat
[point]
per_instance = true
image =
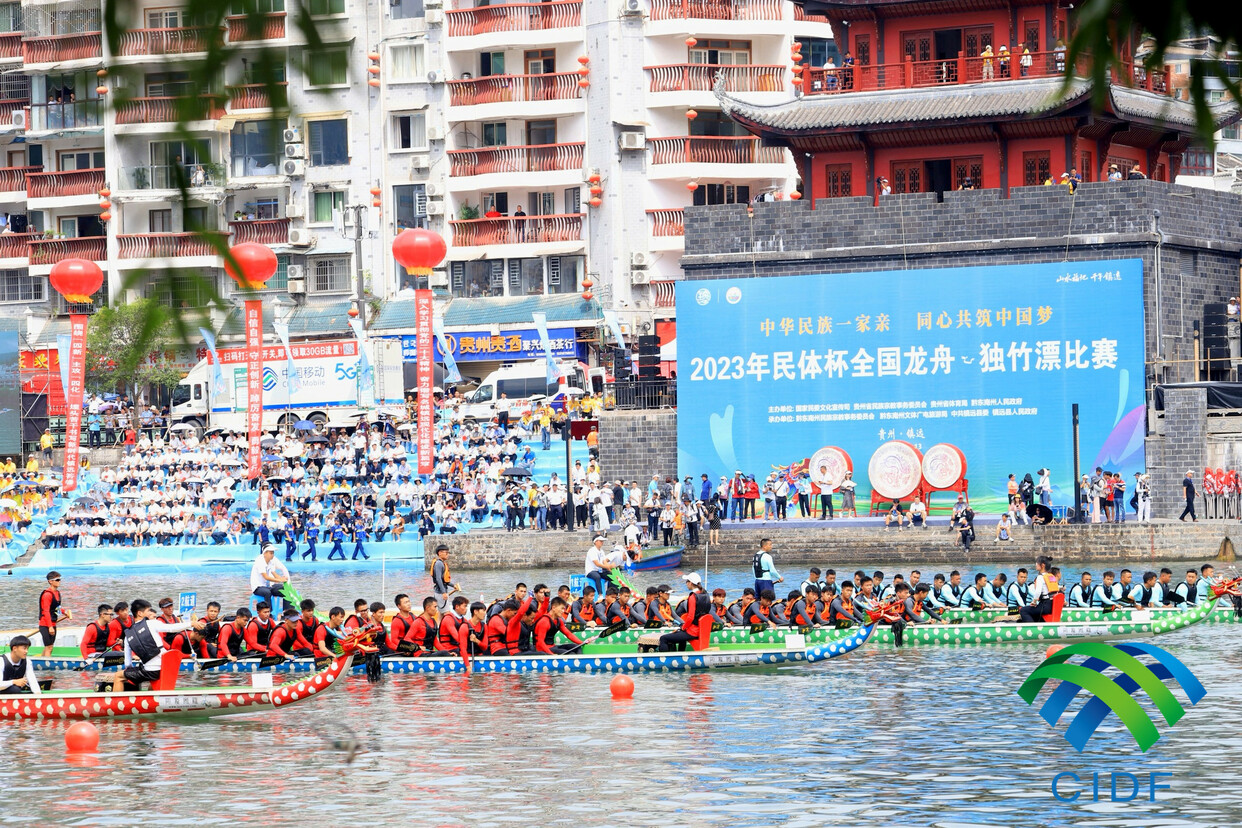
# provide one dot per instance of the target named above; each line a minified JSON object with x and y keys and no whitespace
{"x":144,"y":647}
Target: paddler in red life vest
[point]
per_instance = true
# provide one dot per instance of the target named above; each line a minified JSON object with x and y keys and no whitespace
{"x":327,"y":634}
{"x":50,"y":613}
{"x":361,"y":617}
{"x":308,"y":624}
{"x":505,"y":628}
{"x":232,"y":641}
{"x":286,"y":640}
{"x":400,"y":625}
{"x":259,"y":629}
{"x":144,"y":647}
{"x":379,"y":632}
{"x":95,"y":636}
{"x":167,"y":616}
{"x":698,"y":614}
{"x":420,"y":638}
{"x":190,"y":642}
{"x":121,"y":621}
{"x":448,"y":638}
{"x":719,"y":609}
{"x":473,"y":633}
{"x":583,"y":610}
{"x":661,"y":611}
{"x":549,"y":625}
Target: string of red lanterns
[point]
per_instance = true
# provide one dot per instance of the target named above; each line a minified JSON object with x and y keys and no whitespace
{"x":373,"y":70}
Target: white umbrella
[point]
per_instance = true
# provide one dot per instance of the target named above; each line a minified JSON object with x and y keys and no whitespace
{"x":405,"y":427}
{"x":7,"y":503}
{"x":181,"y":427}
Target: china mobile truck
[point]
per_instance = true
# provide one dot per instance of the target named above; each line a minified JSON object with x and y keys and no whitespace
{"x":329,"y":389}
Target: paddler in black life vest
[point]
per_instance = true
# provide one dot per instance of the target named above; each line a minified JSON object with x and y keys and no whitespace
{"x":448,"y":638}
{"x":308,"y":624}
{"x":95,"y":636}
{"x":698,"y":614}
{"x":802,"y":607}
{"x":144,"y":647}
{"x":232,"y":640}
{"x":914,"y":609}
{"x":327,"y":634}
{"x":361,"y":616}
{"x":121,"y":621}
{"x":17,"y":676}
{"x":760,"y":612}
{"x":190,"y":642}
{"x":734,"y":614}
{"x":549,"y":625}
{"x":259,"y":629}
{"x":420,"y":638}
{"x":583,"y":610}
{"x":286,"y":640}
{"x":399,"y":627}
{"x":50,"y":613}
{"x":380,"y":637}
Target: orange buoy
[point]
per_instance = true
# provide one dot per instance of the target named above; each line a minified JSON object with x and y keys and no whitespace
{"x":82,"y":737}
{"x":1053,"y":649}
{"x":622,"y":687}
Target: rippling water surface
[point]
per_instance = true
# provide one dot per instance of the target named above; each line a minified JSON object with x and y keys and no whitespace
{"x":932,"y":737}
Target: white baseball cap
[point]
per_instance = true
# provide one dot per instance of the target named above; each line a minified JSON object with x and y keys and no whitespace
{"x":693,"y":578}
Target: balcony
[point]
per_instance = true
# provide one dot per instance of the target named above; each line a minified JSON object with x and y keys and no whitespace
{"x":716,"y":9}
{"x":256,"y":96}
{"x":269,"y":27}
{"x":17,"y":245}
{"x":166,"y":245}
{"x":712,"y":149}
{"x":523,"y":159}
{"x":10,"y":44}
{"x":701,"y":77}
{"x":261,"y":231}
{"x":70,"y":115}
{"x":801,"y":16}
{"x":51,"y":251}
{"x":667,"y":222}
{"x":173,"y":177}
{"x":664,"y":294}
{"x":13,"y":179}
{"x":521,"y":230}
{"x":60,"y":48}
{"x":164,"y":110}
{"x":138,"y":42}
{"x":515,"y":17}
{"x":66,"y":183}
{"x":557,"y":86}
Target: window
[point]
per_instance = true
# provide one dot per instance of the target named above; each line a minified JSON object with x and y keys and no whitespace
{"x":330,"y":275}
{"x":167,"y":19}
{"x":491,"y":63}
{"x":17,"y":286}
{"x":256,"y":148}
{"x":540,"y":61}
{"x":324,"y":203}
{"x":328,"y":142}
{"x":495,"y":201}
{"x":540,"y":204}
{"x":11,"y":18}
{"x":716,"y":123}
{"x":181,"y":290}
{"x":159,"y":221}
{"x":406,"y":62}
{"x":573,"y":200}
{"x":81,"y":160}
{"x":526,"y":277}
{"x":494,"y":135}
{"x":168,"y":85}
{"x":280,"y":279}
{"x":72,"y":21}
{"x":411,"y":205}
{"x":260,"y":6}
{"x":1036,"y":168}
{"x":405,"y":9}
{"x":722,"y":52}
{"x":965,"y":169}
{"x":540,"y":133}
{"x":564,"y":273}
{"x":817,"y":50}
{"x":409,"y":131}
{"x":1085,"y":167}
{"x":862,"y":45}
{"x":327,"y":6}
{"x":473,"y":279}
{"x":721,"y":194}
{"x":838,"y":180}
{"x":327,"y":68}
{"x":260,"y":208}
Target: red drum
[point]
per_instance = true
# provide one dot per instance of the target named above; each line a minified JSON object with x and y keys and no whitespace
{"x":944,"y":466}
{"x":828,"y":467}
{"x":895,"y":470}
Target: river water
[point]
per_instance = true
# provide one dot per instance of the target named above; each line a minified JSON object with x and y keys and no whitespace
{"x":931,"y":737}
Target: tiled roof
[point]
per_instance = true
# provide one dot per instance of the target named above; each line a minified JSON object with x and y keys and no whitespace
{"x":307,"y":320}
{"x":1152,"y":107}
{"x":514,"y":310}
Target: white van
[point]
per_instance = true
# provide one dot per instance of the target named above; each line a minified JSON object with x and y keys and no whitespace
{"x":518,"y":383}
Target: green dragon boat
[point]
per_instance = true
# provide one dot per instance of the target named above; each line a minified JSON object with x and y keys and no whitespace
{"x":1219,"y":615}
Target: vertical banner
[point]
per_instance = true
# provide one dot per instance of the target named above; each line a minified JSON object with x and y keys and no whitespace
{"x":541,"y":325}
{"x":64,"y":348}
{"x":614,"y":325}
{"x":424,"y":381}
{"x":292,"y":383}
{"x":217,"y":370}
{"x":451,"y":374}
{"x":254,"y":387}
{"x":364,"y":373}
{"x":74,"y":392}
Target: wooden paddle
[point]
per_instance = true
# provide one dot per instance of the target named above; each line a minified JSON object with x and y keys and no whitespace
{"x":615,"y":626}
{"x":216,"y":662}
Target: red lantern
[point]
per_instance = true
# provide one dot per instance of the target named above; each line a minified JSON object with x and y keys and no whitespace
{"x":584,"y":83}
{"x":375,"y":82}
{"x":588,"y":296}
{"x":692,"y":185}
{"x":797,"y":69}
{"x":780,"y":196}
{"x":255,"y":264}
{"x":105,"y":192}
{"x":105,"y":204}
{"x":583,"y":71}
{"x":375,"y":191}
{"x":584,"y":60}
{"x":597,"y":190}
{"x":691,"y":41}
{"x":375,"y":56}
{"x":586,"y":284}
{"x":595,"y":201}
{"x":102,"y":73}
{"x":376,"y":203}
{"x":374,"y":70}
{"x":101,"y":90}
{"x":353,"y":312}
{"x":594,"y":178}
{"x":418,"y":250}
{"x":795,"y":195}
{"x":691,"y":114}
{"x":105,"y":216}
{"x":76,"y":280}
{"x":797,"y":47}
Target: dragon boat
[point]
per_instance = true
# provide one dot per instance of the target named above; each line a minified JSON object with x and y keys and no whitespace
{"x":1220,"y":615}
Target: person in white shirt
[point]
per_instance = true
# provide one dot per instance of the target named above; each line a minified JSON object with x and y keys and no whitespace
{"x":17,"y":676}
{"x":918,"y":513}
{"x":599,"y":563}
{"x":1041,"y":594}
{"x":267,"y":575}
{"x":145,"y":647}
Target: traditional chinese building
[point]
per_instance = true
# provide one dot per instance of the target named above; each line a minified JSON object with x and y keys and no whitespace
{"x":938,"y":95}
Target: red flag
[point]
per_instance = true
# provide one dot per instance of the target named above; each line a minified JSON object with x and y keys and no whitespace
{"x":424,"y":381}
{"x":254,"y":387}
{"x":73,"y":399}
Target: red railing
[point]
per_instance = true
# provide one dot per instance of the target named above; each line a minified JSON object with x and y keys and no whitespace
{"x":520,"y":230}
{"x":715,"y":9}
{"x":271,"y":28}
{"x":255,"y":96}
{"x":51,"y":251}
{"x":515,"y":17}
{"x":168,"y":41}
{"x":13,"y":179}
{"x":70,"y":183}
{"x":557,"y":86}
{"x":11,"y":44}
{"x":55,"y":48}
{"x":16,"y":245}
{"x":164,"y":110}
{"x":541,"y":158}
{"x":667,"y":222}
{"x":164,"y":245}
{"x":262,"y":231}
{"x":800,"y":14}
{"x":712,"y":149}
{"x":701,"y":77}
{"x":665,"y":294}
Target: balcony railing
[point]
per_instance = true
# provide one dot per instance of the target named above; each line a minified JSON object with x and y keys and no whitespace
{"x":172,"y":177}
{"x":272,"y":27}
{"x":169,"y":41}
{"x":557,"y":86}
{"x":255,"y":96}
{"x":542,"y":158}
{"x":712,"y":149}
{"x":519,"y":230}
{"x":664,"y":294}
{"x":57,"y":48}
{"x":51,"y":251}
{"x":164,"y":245}
{"x":667,"y":222}
{"x":262,"y":231}
{"x":164,"y":110}
{"x":69,"y":115}
{"x":17,"y":245}
{"x":13,"y":179}
{"x":515,"y":17}
{"x":11,"y":44}
{"x":701,"y":77}
{"x":715,"y":9}
{"x":800,"y":14}
{"x":66,"y":183}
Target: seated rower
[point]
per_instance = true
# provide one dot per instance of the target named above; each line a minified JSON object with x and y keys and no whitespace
{"x":997,"y":590}
{"x":144,"y":647}
{"x":812,"y":579}
{"x":737,"y":610}
{"x":95,"y":637}
{"x":121,"y":621}
{"x":1189,"y":592}
{"x":326,"y":635}
{"x":1145,"y":595}
{"x":549,"y":625}
{"x":448,"y":638}
{"x":504,"y":628}
{"x":661,"y":612}
{"x":259,"y":629}
{"x":421,"y":635}
{"x":1079,"y":594}
{"x":308,"y":624}
{"x":1165,"y":594}
{"x":1104,"y":596}
{"x":779,"y":612}
{"x":286,"y":640}
{"x":890,"y":590}
{"x":802,"y":607}
{"x":583,"y":610}
{"x":610,"y":609}
{"x":760,"y":612}
{"x":361,"y":617}
{"x":718,"y":606}
{"x":698,"y":612}
{"x":232,"y":641}
{"x":841,"y":610}
{"x":400,"y":626}
{"x":189,"y":642}
{"x":1019,"y":593}
{"x":17,"y":676}
{"x":864,"y":600}
{"x":638,"y":610}
{"x":210,"y":625}
{"x":914,"y":608}
{"x":472,"y":633}
{"x":940,"y":597}
{"x":977,"y":596}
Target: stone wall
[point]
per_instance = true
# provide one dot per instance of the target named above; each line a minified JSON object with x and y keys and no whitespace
{"x":1182,"y":447}
{"x":512,"y":550}
{"x":633,"y":445}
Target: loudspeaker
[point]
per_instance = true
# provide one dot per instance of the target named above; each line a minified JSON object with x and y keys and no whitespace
{"x":648,"y":371}
{"x":649,"y":345}
{"x":621,"y":364}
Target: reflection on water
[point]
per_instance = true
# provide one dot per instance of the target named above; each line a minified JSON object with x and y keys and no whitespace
{"x":918,"y":737}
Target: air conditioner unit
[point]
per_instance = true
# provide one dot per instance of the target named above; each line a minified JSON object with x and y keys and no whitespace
{"x":439,"y":278}
{"x":18,"y":118}
{"x":297,"y":285}
{"x":295,"y":209}
{"x":632,"y":8}
{"x":296,"y":271}
{"x":301,"y":238}
{"x":435,"y":208}
{"x":293,"y":167}
{"x":640,"y":277}
{"x":421,"y":162}
{"x":293,"y":135}
{"x":633,"y":141}
{"x":432,"y":4}
{"x":295,"y":150}
{"x":435,"y":76}
{"x":434,"y":190}
{"x":640,"y":258}
{"x":434,"y":17}
{"x":435,"y":133}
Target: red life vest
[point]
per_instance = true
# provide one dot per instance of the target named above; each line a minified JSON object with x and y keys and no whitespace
{"x":446,"y":639}
{"x":698,"y":607}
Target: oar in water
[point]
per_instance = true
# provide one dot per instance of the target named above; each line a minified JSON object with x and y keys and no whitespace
{"x":615,"y":626}
{"x":263,"y":661}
